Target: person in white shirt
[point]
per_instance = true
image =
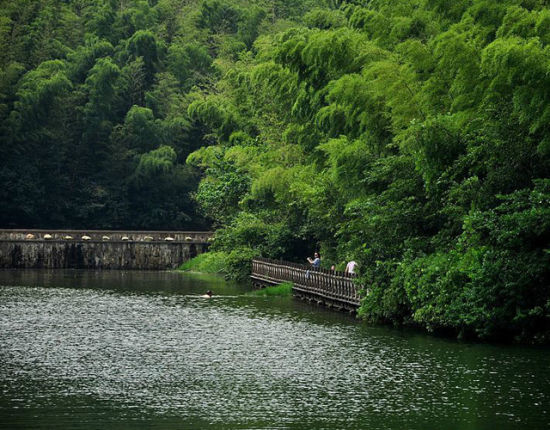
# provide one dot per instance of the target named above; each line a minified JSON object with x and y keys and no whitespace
{"x":350,"y":267}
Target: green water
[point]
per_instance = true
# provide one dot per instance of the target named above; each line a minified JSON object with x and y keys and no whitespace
{"x":127,"y":350}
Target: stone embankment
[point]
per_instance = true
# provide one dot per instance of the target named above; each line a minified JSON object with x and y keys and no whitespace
{"x":99,"y":249}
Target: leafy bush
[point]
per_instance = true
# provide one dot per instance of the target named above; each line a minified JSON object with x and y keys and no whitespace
{"x":238,"y":263}
{"x":235,"y":264}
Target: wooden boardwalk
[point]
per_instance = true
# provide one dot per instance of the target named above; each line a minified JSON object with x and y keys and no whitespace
{"x":331,"y":288}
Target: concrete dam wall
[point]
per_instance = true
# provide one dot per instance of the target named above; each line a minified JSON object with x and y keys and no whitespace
{"x":99,"y":249}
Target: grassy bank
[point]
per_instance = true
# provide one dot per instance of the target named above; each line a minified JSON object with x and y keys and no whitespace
{"x":284,"y":289}
{"x":209,"y":262}
{"x":234,"y":265}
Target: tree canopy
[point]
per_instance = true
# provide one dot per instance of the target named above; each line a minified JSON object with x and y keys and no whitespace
{"x":409,"y":136}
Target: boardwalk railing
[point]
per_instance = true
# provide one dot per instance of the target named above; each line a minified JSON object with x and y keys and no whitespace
{"x":331,"y":287}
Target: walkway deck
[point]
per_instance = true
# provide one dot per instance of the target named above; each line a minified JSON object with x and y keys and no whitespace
{"x":331,"y":288}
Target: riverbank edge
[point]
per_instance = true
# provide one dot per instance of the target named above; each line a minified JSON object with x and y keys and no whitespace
{"x":215,"y":262}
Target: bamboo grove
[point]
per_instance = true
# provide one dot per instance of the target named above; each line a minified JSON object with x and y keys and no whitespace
{"x":412,"y":136}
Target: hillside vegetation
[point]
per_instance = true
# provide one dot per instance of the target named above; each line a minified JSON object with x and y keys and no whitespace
{"x":412,"y":136}
{"x":94,"y":130}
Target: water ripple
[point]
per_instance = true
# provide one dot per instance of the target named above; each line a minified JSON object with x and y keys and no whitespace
{"x":241,"y":362}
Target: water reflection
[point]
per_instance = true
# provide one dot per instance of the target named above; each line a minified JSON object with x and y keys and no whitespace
{"x":143,"y":349}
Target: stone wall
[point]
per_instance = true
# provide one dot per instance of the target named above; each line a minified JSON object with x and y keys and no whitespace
{"x":97,"y":254}
{"x":178,"y":236}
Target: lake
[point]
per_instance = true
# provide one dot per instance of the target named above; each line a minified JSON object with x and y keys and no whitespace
{"x":144,"y":350}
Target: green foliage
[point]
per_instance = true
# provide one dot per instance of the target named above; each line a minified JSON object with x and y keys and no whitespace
{"x":411,"y":137}
{"x":83,"y":58}
{"x":101,"y":89}
{"x":143,"y":44}
{"x":249,"y":25}
{"x":141,"y":131}
{"x":38,"y":90}
{"x":234,"y":265}
{"x":494,"y":281}
{"x":253,"y":232}
{"x":188,"y":62}
{"x":94,"y":100}
{"x":219,"y":16}
{"x":157,"y":162}
{"x":216,"y":114}
{"x":221,"y":193}
{"x":324,"y":19}
{"x":238,"y":263}
{"x":209,"y":262}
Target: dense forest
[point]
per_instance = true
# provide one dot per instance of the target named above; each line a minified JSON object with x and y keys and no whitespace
{"x":410,"y":135}
{"x":94,"y":94}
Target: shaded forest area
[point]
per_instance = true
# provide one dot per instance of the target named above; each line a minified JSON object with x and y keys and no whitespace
{"x":94,"y":129}
{"x":411,"y":136}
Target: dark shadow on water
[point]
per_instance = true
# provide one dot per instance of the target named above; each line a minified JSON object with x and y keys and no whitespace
{"x":145,"y":282}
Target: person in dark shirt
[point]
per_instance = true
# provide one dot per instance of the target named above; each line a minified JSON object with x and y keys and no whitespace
{"x":316,"y":261}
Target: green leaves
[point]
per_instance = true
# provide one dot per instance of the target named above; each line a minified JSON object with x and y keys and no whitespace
{"x":218,"y":16}
{"x":390,"y":134}
{"x":156,"y":162}
{"x":215,"y":113}
{"x":143,"y":44}
{"x":91,"y":113}
{"x":141,"y":131}
{"x":38,"y":91}
{"x":188,"y":62}
{"x":101,"y":88}
{"x":518,"y":72}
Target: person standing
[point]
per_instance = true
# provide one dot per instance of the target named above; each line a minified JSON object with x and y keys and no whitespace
{"x":350,"y":267}
{"x":316,"y":261}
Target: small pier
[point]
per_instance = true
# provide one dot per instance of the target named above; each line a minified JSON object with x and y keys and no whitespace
{"x":326,"y":287}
